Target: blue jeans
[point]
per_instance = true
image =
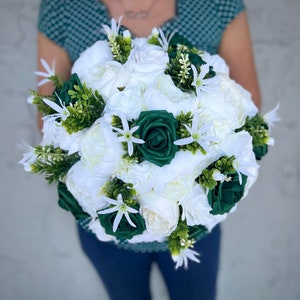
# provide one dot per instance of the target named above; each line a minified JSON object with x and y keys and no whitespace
{"x":125,"y":273}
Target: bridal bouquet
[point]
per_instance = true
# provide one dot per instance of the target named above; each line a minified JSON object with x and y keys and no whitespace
{"x":149,"y":140}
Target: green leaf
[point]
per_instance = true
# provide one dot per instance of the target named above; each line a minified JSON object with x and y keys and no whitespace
{"x":53,"y":162}
{"x":67,"y":202}
{"x":116,"y":186}
{"x":88,"y":107}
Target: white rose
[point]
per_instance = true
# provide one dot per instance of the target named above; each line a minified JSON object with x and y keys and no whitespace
{"x":106,"y":79}
{"x":160,"y":214}
{"x":228,"y":108}
{"x":196,"y":209}
{"x":217,"y":62}
{"x":146,"y":61}
{"x":155,"y":99}
{"x":129,"y":101}
{"x":55,"y":134}
{"x":185,"y":166}
{"x":240,"y":146}
{"x":94,"y":56}
{"x":140,"y":175}
{"x":100,"y":148}
{"x":238,"y":97}
{"x":166,"y":86}
{"x":85,"y":185}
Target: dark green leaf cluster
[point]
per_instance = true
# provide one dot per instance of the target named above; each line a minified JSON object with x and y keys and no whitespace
{"x":53,"y":162}
{"x":223,"y":165}
{"x":116,"y":186}
{"x":182,"y":54}
{"x":86,"y":110}
{"x":64,"y":94}
{"x":258,"y":129}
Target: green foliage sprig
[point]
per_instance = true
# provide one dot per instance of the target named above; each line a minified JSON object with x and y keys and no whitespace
{"x":86,"y":110}
{"x":179,"y":68}
{"x":224,"y":165}
{"x":258,"y":129}
{"x":180,"y":239}
{"x":42,"y":107}
{"x":53,"y":162}
{"x":182,"y":54}
{"x":120,"y":47}
{"x":116,"y":186}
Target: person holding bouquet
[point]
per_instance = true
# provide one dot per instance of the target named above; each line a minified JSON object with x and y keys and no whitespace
{"x":65,"y":30}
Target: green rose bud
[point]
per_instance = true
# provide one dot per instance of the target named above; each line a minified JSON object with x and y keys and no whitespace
{"x":67,"y":201}
{"x":226,"y":194}
{"x":63,"y":93}
{"x":125,"y":231}
{"x":158,"y":129}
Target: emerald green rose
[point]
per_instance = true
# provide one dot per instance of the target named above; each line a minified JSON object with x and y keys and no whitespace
{"x":158,"y":129}
{"x":63,"y":93}
{"x":125,"y":231}
{"x":226,"y":194}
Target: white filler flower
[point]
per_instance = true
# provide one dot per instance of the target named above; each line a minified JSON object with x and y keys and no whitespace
{"x":127,"y":135}
{"x":122,"y":208}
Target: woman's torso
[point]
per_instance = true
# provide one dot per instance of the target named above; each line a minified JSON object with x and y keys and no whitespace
{"x":75,"y":25}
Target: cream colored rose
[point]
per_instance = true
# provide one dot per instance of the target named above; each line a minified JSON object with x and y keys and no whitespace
{"x":161,"y":214}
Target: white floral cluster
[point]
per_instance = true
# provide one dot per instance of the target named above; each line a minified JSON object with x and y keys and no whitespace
{"x":168,"y":193}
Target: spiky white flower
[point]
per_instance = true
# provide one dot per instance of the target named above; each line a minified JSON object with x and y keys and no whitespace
{"x":28,"y":159}
{"x":218,"y":176}
{"x":127,"y":134}
{"x":62,"y":111}
{"x":200,"y":82}
{"x":122,"y":208}
{"x":162,"y":38}
{"x":50,"y":72}
{"x":182,"y":258}
{"x":199,"y":135}
{"x":114,"y":29}
{"x":271,"y":117}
